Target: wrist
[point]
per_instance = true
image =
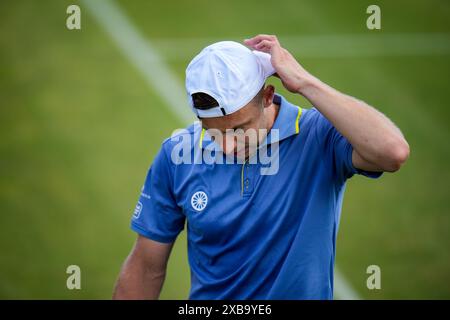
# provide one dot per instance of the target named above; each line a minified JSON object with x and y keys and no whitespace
{"x":309,"y":85}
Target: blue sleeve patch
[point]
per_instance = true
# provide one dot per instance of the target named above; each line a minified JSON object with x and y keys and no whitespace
{"x":157,"y":215}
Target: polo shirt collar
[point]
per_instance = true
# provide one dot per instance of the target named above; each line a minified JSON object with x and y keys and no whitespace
{"x":287,"y":121}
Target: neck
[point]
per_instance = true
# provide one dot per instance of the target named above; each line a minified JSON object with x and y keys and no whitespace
{"x":271,"y":115}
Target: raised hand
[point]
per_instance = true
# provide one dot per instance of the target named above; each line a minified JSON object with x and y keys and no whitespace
{"x":291,"y":73}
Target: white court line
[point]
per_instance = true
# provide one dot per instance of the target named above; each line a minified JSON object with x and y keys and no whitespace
{"x":326,"y":46}
{"x":158,"y":75}
{"x":343,"y":290}
{"x":142,"y":55}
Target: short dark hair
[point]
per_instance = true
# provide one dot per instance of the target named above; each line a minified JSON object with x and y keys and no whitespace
{"x":259,"y":96}
{"x":203,"y":101}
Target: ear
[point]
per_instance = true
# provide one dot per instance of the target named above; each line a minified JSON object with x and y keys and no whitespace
{"x":268,"y":93}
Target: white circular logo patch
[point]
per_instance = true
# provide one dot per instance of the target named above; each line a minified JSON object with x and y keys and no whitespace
{"x":199,"y":200}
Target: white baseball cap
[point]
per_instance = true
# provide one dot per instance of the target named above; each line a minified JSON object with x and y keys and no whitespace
{"x":230,"y":73}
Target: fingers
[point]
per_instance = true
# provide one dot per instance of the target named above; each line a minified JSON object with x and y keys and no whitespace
{"x":263,"y":42}
{"x":253,"y":41}
{"x":264,"y":45}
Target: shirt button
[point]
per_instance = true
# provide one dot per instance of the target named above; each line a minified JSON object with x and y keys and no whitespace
{"x":247,"y":183}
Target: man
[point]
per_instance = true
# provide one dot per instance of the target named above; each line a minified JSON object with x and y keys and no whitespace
{"x":254,"y":235}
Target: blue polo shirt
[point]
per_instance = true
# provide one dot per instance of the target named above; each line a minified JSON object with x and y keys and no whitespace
{"x":250,"y":235}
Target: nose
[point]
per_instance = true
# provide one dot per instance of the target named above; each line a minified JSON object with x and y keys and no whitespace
{"x":228,"y":144}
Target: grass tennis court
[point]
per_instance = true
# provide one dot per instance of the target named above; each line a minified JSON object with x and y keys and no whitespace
{"x":79,"y":128}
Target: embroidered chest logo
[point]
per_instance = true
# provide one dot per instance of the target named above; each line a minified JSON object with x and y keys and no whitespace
{"x":199,"y":201}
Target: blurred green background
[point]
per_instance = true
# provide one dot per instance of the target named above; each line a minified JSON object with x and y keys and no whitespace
{"x":79,"y":127}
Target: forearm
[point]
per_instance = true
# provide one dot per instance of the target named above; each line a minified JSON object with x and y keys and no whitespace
{"x":377,"y":143}
{"x":136,"y":281}
{"x":373,"y":136}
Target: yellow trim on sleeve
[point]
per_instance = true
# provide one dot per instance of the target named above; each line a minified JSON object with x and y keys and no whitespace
{"x":297,"y":128}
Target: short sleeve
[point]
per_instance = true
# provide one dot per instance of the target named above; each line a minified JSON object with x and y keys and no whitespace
{"x":157,"y":215}
{"x":338,"y":150}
